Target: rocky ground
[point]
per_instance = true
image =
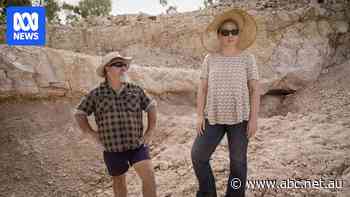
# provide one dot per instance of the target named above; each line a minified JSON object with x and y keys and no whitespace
{"x":43,"y":154}
{"x":304,"y":127}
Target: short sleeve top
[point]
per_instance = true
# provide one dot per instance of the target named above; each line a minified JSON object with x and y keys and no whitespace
{"x":118,"y":115}
{"x":228,"y":96}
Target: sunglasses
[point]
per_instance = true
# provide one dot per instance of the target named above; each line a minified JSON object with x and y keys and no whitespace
{"x":226,"y":32}
{"x":118,"y":64}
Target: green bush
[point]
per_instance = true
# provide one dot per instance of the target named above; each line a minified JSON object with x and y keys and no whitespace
{"x":2,"y":19}
{"x":5,"y":3}
{"x":2,"y":35}
{"x":2,"y":13}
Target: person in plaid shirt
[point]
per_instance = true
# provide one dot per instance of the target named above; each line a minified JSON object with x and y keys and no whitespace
{"x":117,"y":106}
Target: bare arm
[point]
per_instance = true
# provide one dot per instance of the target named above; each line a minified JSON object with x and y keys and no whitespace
{"x":86,"y":128}
{"x":152,"y":119}
{"x":152,"y":122}
{"x":201,"y":102}
{"x":202,"y":97}
{"x":83,"y":123}
{"x":254,"y":98}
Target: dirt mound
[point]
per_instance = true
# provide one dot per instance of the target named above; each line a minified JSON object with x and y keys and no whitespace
{"x":330,"y":94}
{"x":42,"y":152}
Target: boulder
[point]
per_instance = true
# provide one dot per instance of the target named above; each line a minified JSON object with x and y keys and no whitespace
{"x":35,"y":71}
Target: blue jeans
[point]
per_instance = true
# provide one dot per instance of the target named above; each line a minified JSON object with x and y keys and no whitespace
{"x":205,"y":145}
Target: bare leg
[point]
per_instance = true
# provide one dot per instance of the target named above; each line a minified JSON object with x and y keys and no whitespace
{"x":145,"y":171}
{"x":119,"y":186}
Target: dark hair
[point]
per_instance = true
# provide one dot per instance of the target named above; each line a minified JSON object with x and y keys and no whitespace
{"x":227,"y":21}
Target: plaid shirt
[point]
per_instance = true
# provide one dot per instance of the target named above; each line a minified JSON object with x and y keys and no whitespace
{"x":118,"y":115}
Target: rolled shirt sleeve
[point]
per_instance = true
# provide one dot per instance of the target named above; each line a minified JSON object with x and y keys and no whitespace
{"x":252,"y":68}
{"x":205,"y":68}
{"x":86,"y":105}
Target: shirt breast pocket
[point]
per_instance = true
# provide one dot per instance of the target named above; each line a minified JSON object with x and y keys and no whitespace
{"x":105,"y":104}
{"x":132,"y":102}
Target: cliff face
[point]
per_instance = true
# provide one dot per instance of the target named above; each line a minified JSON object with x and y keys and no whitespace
{"x":303,"y":57}
{"x":292,"y":49}
{"x":47,"y":72}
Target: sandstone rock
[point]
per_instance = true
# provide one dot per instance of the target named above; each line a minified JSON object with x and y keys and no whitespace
{"x":346,"y":187}
{"x":328,"y":94}
{"x":46,"y":72}
{"x":270,"y":105}
{"x":290,"y":55}
{"x":165,"y":80}
{"x":341,"y":26}
{"x":324,"y":28}
{"x":49,"y":72}
{"x":299,"y":60}
{"x":291,"y":47}
{"x":342,"y":51}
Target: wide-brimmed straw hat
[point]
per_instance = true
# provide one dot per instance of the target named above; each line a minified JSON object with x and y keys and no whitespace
{"x":109,"y":58}
{"x":246,"y":24}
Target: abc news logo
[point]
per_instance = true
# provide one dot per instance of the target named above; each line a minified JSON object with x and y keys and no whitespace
{"x":26,"y":26}
{"x":18,"y":24}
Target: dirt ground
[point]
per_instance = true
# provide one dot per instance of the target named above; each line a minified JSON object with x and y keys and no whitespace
{"x":43,"y":153}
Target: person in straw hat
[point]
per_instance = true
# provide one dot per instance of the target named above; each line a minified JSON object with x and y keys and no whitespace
{"x":117,"y":106}
{"x":227,"y":101}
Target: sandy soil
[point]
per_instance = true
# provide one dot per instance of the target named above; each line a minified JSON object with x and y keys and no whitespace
{"x":43,"y":153}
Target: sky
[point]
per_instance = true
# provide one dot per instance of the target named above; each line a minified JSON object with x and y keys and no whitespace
{"x":151,"y":7}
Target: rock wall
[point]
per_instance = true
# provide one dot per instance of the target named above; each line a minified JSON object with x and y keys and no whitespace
{"x":44,"y":72}
{"x":293,"y":48}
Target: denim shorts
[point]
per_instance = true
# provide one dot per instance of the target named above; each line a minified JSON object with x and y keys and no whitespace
{"x":118,"y":163}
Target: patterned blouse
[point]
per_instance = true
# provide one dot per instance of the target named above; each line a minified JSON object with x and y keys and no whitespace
{"x":228,"y":94}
